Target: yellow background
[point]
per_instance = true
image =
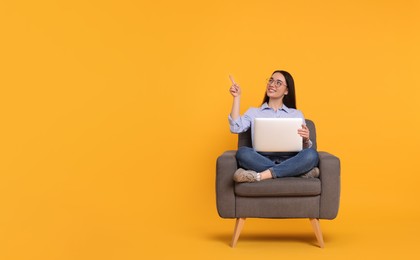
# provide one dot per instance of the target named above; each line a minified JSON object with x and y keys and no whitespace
{"x":113,"y":114}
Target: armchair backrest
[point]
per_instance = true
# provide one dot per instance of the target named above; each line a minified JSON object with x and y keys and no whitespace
{"x":244,"y":139}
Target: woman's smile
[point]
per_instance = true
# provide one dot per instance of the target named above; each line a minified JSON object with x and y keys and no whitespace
{"x":271,"y":89}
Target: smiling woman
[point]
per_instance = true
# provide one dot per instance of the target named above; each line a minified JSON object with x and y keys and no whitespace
{"x":279,"y":102}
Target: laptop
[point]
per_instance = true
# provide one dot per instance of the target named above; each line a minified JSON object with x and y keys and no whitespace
{"x":277,"y":135}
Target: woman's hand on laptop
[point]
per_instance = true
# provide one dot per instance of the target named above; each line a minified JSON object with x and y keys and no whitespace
{"x":304,"y":132}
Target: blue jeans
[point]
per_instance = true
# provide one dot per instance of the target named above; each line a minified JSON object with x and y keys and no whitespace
{"x":280,"y":164}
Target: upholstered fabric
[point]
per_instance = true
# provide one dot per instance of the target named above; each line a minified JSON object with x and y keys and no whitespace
{"x":277,"y":207}
{"x":280,"y":187}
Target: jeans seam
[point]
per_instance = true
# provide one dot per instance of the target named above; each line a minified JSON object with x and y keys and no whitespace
{"x":273,"y":174}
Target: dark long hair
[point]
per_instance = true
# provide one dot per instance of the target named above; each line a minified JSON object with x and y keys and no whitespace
{"x":290,"y":99}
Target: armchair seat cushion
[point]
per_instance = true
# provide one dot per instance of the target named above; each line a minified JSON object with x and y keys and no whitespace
{"x":280,"y":187}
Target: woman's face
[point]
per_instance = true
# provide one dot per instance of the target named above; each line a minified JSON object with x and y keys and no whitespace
{"x":276,"y":86}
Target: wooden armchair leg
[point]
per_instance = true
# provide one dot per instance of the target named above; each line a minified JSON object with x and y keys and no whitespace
{"x":318,"y":232}
{"x":238,"y":228}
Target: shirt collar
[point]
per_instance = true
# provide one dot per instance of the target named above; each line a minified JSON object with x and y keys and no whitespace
{"x":284,"y":107}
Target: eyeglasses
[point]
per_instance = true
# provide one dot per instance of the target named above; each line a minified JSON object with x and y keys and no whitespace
{"x":276,"y":83}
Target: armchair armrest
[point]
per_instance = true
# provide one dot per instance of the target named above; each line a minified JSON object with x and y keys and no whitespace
{"x":329,"y":167}
{"x":225,"y":197}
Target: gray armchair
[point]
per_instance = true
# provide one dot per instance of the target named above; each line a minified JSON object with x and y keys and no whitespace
{"x":291,"y":197}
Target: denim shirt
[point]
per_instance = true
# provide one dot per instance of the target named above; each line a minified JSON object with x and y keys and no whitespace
{"x":243,"y":123}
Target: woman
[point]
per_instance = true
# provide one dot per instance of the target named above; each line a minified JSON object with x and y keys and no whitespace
{"x":279,"y":102}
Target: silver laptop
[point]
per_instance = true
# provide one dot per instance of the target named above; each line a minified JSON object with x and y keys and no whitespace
{"x":277,"y":135}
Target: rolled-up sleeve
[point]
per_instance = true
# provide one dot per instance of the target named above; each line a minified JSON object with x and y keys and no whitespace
{"x":239,"y":125}
{"x":308,"y":144}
